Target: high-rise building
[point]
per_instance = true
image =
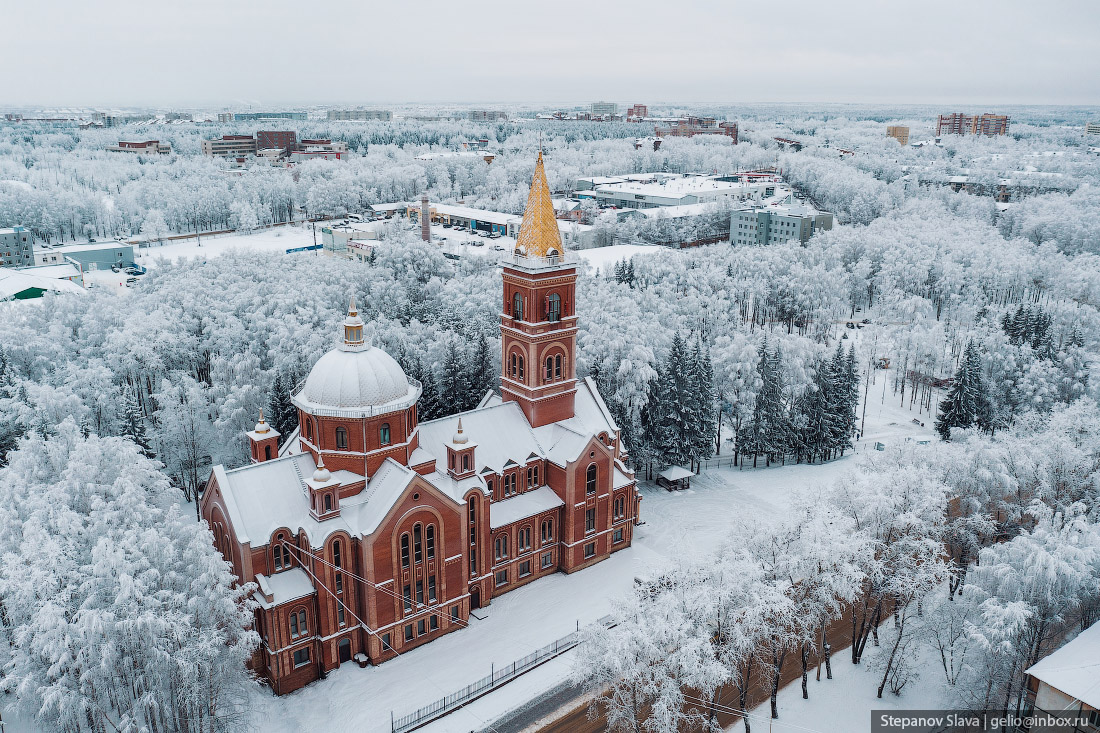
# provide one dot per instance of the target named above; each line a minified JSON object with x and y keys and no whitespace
{"x":16,"y":247}
{"x":604,"y":109}
{"x":638,"y":111}
{"x":959,"y":123}
{"x":899,"y":133}
{"x":1092,"y":128}
{"x":230,"y":146}
{"x":361,"y":114}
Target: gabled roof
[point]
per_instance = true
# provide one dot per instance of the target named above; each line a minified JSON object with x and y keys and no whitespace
{"x":1074,"y":669}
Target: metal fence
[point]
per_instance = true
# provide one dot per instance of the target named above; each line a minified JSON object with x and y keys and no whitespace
{"x":497,"y":677}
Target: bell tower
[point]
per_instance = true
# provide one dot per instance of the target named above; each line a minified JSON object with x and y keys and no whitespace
{"x":538,"y":324}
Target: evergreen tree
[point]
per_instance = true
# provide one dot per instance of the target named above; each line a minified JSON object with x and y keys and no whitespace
{"x":483,"y":375}
{"x":967,"y":403}
{"x":428,"y":407}
{"x":701,"y":404}
{"x":454,"y":385}
{"x":774,"y":418}
{"x":133,"y":424}
{"x":281,"y":413}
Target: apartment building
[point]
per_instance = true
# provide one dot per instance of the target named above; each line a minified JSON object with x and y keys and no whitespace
{"x":383,"y":115}
{"x":959,"y":123}
{"x":604,"y":109}
{"x":16,"y":247}
{"x":899,"y":133}
{"x":1092,"y":128}
{"x":764,"y":225}
{"x":486,"y":115}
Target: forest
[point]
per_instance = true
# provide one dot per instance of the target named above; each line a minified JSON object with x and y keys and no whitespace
{"x":114,"y":404}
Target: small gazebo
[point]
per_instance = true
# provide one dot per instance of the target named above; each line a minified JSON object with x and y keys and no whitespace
{"x":675,"y":478}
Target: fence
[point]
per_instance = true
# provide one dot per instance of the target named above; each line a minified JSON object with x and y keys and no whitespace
{"x":496,"y":678}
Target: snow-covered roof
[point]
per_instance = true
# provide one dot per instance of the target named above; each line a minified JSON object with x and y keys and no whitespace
{"x":356,"y":382}
{"x":13,"y":282}
{"x":1075,"y":668}
{"x":527,"y":504}
{"x":675,"y":473}
{"x":284,"y":587}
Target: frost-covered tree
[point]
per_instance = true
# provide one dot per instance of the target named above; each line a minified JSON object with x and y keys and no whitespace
{"x":119,"y":612}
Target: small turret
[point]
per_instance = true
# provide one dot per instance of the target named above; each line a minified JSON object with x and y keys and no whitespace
{"x":263,"y":441}
{"x":460,"y":455}
{"x":324,"y":492}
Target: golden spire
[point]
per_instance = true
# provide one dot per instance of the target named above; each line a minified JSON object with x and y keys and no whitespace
{"x":538,"y":234}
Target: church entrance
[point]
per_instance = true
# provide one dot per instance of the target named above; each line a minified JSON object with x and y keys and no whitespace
{"x":475,"y":598}
{"x":344,"y":648}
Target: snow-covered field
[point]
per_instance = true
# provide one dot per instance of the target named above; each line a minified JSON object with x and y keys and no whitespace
{"x":275,"y":240}
{"x":692,"y":521}
{"x":602,"y":258}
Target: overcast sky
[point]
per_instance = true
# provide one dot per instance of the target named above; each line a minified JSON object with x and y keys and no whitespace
{"x":230,"y":53}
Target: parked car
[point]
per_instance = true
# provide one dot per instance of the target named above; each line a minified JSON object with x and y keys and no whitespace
{"x":849,"y":324}
{"x":116,"y":267}
{"x":355,"y":217}
{"x":483,"y":234}
{"x":494,"y":235}
{"x":130,"y":281}
{"x":447,"y":225}
{"x":478,"y":244}
{"x":498,"y":248}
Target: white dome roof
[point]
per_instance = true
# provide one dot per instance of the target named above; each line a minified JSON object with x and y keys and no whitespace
{"x":355,"y":381}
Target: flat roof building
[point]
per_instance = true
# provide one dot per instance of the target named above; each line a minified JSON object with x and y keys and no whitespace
{"x":959,"y":123}
{"x":604,"y":109}
{"x":383,"y":115}
{"x":899,"y":133}
{"x":1092,"y":128}
{"x":764,"y":225}
{"x":486,"y":115}
{"x":88,"y":255}
{"x":16,"y":247}
{"x":230,"y":146}
{"x":149,"y":147}
{"x":692,"y":126}
{"x":247,"y":116}
{"x":647,"y":190}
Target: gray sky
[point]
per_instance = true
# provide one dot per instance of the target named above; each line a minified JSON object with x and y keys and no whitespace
{"x":230,"y":53}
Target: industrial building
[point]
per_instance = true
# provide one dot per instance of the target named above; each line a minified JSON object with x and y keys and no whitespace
{"x":32,"y":282}
{"x":383,"y":115}
{"x":16,"y":247}
{"x":899,"y":133}
{"x":647,"y":190}
{"x":959,"y":123}
{"x":763,"y":225}
{"x":692,"y":126}
{"x":149,"y":147}
{"x":86,"y":256}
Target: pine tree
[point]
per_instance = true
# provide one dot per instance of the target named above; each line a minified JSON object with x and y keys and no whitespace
{"x":700,"y":417}
{"x":428,"y":407}
{"x":774,"y":418}
{"x":281,"y":413}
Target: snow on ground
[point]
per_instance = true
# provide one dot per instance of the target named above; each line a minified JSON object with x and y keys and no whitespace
{"x":845,"y":702}
{"x":519,"y":622}
{"x":275,"y":240}
{"x":602,"y":258}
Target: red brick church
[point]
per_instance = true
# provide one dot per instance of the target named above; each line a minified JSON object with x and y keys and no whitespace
{"x":369,"y":533}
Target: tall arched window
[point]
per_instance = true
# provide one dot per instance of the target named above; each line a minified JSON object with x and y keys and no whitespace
{"x":405,"y":550}
{"x":549,"y":368}
{"x":465,"y":461}
{"x":517,"y":307}
{"x":553,"y":307}
{"x":519,"y":362}
{"x":281,"y":553}
{"x":336,"y":560}
{"x":590,"y":484}
{"x":557,"y":367}
{"x":267,"y":452}
{"x":341,"y":438}
{"x":513,"y":371}
{"x":328,"y":502}
{"x":429,"y":540}
{"x":384,"y":434}
{"x":418,"y":551}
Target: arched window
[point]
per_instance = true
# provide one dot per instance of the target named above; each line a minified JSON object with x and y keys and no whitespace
{"x":590,"y":484}
{"x":553,"y":307}
{"x":309,"y":429}
{"x":341,"y":438}
{"x":418,"y":551}
{"x":267,"y":452}
{"x":519,"y":362}
{"x":405,"y":550}
{"x":549,"y":368}
{"x":281,"y":553}
{"x":557,"y":367}
{"x":328,"y":502}
{"x":429,"y":540}
{"x":513,"y":372}
{"x":336,"y":554}
{"x":384,"y":434}
{"x":517,"y":307}
{"x":451,"y":460}
{"x":465,"y":461}
{"x":547,"y":531}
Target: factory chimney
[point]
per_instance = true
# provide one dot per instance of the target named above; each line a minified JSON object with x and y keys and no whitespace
{"x":425,"y":218}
